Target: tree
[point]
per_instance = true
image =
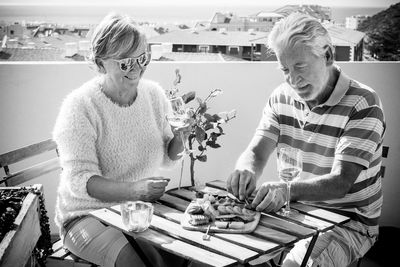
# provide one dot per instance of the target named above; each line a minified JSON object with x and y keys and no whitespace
{"x":383,"y":34}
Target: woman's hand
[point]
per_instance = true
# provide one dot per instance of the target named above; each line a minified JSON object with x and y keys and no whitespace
{"x":150,"y":189}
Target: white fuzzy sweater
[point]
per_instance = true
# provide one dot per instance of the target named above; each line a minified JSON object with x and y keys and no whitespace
{"x":95,"y":136}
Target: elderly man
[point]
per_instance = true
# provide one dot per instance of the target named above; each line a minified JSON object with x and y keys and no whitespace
{"x":338,"y":124}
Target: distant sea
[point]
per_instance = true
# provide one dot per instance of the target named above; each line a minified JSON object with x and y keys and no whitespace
{"x":89,"y":15}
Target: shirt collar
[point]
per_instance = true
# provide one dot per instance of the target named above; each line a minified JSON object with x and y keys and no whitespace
{"x":342,"y":85}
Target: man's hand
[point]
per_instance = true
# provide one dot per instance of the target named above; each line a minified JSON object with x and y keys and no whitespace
{"x":270,"y":197}
{"x":150,"y":189}
{"x":241,"y":183}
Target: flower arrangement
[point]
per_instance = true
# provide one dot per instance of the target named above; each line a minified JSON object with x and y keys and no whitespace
{"x":205,"y":127}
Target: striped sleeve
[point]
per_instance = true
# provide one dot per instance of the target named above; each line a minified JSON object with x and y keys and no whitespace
{"x":269,"y":123}
{"x":364,"y":131}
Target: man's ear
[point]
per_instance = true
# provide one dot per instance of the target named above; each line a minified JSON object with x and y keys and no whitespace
{"x":329,"y":56}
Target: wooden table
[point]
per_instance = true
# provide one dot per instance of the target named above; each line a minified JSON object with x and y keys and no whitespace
{"x":273,"y":234}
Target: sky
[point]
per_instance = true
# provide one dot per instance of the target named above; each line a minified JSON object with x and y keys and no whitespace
{"x":358,"y":3}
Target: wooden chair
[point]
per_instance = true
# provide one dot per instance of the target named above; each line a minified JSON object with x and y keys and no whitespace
{"x":23,"y":156}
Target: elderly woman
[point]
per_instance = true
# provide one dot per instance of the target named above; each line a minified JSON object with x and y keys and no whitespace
{"x":112,"y":137}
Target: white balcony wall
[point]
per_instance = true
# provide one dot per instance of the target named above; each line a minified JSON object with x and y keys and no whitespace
{"x":31,"y":94}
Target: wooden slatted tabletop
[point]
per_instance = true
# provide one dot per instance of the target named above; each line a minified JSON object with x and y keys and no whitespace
{"x":273,"y":233}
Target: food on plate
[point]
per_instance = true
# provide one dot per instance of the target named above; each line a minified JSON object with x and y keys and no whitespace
{"x":222,"y":211}
{"x":229,"y":225}
{"x":199,"y":219}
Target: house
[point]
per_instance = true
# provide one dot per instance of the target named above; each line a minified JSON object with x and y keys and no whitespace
{"x":261,"y":21}
{"x":243,"y":45}
{"x":348,"y":43}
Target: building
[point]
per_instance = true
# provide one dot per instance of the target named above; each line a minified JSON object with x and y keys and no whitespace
{"x":319,"y":12}
{"x":252,"y":46}
{"x":353,"y":21}
{"x":243,"y":45}
{"x":348,"y":43}
{"x":262,"y":21}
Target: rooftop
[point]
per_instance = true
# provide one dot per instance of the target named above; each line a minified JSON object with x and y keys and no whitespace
{"x":203,"y":37}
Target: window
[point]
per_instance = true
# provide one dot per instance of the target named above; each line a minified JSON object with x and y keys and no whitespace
{"x":203,"y":48}
{"x":234,"y":50}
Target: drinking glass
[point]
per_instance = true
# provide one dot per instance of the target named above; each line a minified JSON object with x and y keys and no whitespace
{"x":136,"y":215}
{"x":289,"y":163}
{"x":179,"y":118}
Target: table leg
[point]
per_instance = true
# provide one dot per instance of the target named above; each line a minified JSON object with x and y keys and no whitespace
{"x":138,"y":250}
{"x":309,"y":250}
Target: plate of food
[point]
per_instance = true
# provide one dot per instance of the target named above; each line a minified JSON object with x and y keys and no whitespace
{"x":219,"y":212}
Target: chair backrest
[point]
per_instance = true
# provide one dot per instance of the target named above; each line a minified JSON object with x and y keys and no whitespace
{"x":13,"y":178}
{"x":385,"y":153}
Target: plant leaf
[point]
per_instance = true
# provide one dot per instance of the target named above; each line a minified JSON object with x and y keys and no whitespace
{"x":203,"y":108}
{"x":200,"y":134}
{"x":208,"y":117}
{"x":213,"y":144}
{"x":188,"y":96}
{"x":202,"y":158}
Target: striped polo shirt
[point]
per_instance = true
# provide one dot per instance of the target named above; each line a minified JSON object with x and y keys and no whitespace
{"x":349,"y":126}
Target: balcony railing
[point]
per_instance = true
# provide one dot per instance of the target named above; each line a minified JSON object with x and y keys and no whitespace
{"x":31,"y":94}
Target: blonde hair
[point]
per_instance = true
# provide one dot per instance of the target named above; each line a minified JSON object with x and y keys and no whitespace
{"x":300,"y":28}
{"x":116,"y":36}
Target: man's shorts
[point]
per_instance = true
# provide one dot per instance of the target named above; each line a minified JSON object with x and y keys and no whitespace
{"x":338,"y":247}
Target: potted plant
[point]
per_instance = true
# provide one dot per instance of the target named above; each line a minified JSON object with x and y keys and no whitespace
{"x":206,"y":127}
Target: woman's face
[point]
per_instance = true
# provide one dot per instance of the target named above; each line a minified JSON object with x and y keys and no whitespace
{"x":126,"y":73}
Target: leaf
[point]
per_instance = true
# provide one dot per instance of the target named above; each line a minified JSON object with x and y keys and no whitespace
{"x":208,"y":126}
{"x":208,"y":117}
{"x":203,"y":108}
{"x":216,"y":117}
{"x":214,"y":135}
{"x":188,"y":96}
{"x":200,"y":148}
{"x":202,"y":158}
{"x":221,"y":131}
{"x":200,"y":134}
{"x":213,"y":144}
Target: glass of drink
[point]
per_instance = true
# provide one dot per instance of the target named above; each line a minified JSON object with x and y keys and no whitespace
{"x":136,"y":215}
{"x":179,"y":118}
{"x":289,"y":168}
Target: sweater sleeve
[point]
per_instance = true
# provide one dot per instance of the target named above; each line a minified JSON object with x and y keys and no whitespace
{"x":75,"y":136}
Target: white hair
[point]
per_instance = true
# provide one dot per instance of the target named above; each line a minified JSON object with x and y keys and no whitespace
{"x":300,"y":28}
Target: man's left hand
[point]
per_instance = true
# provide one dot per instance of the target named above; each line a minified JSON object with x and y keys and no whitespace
{"x":270,"y":197}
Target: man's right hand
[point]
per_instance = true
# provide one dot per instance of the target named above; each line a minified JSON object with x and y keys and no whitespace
{"x":150,"y":189}
{"x":241,"y":183}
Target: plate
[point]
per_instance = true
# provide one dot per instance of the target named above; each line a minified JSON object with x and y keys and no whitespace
{"x":223,"y":220}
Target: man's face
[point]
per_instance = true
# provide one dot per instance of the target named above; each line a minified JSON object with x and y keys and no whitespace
{"x":305,"y":72}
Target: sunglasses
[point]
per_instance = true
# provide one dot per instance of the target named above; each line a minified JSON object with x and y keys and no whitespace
{"x":127,"y":64}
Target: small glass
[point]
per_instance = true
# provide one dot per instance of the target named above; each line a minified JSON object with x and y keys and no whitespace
{"x":137,"y":215}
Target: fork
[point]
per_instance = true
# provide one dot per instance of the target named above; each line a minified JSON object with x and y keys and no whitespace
{"x":206,"y":236}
